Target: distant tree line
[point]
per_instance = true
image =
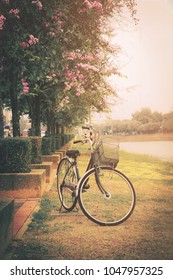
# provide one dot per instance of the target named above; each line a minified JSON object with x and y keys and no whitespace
{"x":142,"y":122}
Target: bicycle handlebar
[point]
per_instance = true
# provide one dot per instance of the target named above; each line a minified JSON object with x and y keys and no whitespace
{"x":91,"y":139}
{"x":77,"y":141}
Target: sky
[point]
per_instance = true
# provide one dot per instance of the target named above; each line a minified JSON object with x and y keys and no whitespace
{"x":146,"y":60}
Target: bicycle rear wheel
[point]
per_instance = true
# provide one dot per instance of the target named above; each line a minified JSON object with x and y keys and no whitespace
{"x":110,"y":208}
{"x":66,"y":184}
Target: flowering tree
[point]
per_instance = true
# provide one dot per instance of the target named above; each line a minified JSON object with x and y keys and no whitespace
{"x":54,"y":53}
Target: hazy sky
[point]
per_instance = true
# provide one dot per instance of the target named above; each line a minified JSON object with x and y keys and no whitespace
{"x":147,"y":60}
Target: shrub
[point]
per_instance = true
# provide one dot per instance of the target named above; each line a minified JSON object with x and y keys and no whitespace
{"x":58,"y":141}
{"x":15,"y":155}
{"x":46,"y":147}
{"x":35,"y":149}
{"x":53,"y":143}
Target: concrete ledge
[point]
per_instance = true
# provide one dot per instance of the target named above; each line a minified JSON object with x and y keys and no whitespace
{"x":23,"y":185}
{"x":22,"y":217}
{"x":6,"y":224}
{"x":60,"y":153}
{"x":51,"y":158}
{"x":48,"y":166}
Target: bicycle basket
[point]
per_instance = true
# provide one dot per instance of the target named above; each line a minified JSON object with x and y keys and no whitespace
{"x":106,"y":154}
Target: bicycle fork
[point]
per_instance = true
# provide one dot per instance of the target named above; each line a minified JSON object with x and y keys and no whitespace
{"x":106,"y":194}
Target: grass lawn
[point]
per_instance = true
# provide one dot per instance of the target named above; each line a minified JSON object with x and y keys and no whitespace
{"x":147,"y":234}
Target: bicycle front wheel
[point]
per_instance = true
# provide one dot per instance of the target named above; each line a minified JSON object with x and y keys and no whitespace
{"x":66,"y":184}
{"x":110,"y":198}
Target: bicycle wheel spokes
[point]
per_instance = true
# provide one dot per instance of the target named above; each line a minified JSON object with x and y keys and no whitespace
{"x":66,"y":184}
{"x":114,"y":205}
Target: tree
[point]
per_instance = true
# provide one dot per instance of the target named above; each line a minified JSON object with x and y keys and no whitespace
{"x":167,"y":122}
{"x":144,"y":116}
{"x":57,"y":48}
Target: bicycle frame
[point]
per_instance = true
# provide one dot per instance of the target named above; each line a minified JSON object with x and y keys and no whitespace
{"x":90,"y":165}
{"x":74,"y":164}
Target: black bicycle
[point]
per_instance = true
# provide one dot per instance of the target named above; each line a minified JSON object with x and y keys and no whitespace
{"x":105,"y":195}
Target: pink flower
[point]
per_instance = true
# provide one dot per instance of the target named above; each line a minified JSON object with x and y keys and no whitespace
{"x":46,"y":24}
{"x":64,"y":101}
{"x":30,"y":42}
{"x":88,"y":67}
{"x":33,"y":40}
{"x":2,"y":20}
{"x":25,"y":45}
{"x":89,"y":5}
{"x":38,"y":4}
{"x":81,"y":76}
{"x":77,"y":93}
{"x":14,"y":12}
{"x":97,"y":5}
{"x":25,"y":86}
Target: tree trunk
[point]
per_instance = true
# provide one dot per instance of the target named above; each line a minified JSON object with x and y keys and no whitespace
{"x":14,"y":104}
{"x":52,"y":124}
{"x":1,"y":117}
{"x":37,"y":114}
{"x":62,"y":129}
{"x":48,"y":123}
{"x":58,"y":128}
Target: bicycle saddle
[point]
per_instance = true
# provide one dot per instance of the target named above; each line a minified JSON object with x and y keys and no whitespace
{"x":73,"y":153}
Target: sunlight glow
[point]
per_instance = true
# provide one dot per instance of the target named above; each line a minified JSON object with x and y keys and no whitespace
{"x":147,"y":60}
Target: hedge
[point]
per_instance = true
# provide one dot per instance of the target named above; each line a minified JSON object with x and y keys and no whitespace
{"x":46,"y":147}
{"x":36,"y":144}
{"x":58,"y":141}
{"x":53,"y":144}
{"x":15,"y":155}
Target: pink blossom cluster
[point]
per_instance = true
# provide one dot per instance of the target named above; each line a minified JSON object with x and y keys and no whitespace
{"x":73,"y":55}
{"x":79,"y":90}
{"x":32,"y":40}
{"x":38,"y":4}
{"x":74,"y":79}
{"x":88,"y":57}
{"x":89,"y":5}
{"x":15,"y":12}
{"x":87,"y":67}
{"x":2,"y":20}
{"x":46,"y":24}
{"x":52,"y":73}
{"x":57,"y":19}
{"x":58,"y":23}
{"x":64,"y":102}
{"x":25,"y":86}
{"x":105,"y":104}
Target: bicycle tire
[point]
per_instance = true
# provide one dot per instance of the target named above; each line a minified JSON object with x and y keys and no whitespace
{"x":66,"y":184}
{"x":102,"y":210}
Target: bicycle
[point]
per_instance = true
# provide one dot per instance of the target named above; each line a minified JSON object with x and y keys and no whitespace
{"x":105,"y":195}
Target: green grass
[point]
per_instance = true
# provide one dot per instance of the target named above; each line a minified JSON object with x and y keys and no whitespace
{"x":145,"y":168}
{"x":146,"y":235}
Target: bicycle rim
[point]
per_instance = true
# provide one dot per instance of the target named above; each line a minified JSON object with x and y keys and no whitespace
{"x":66,"y":184}
{"x":112,"y":209}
